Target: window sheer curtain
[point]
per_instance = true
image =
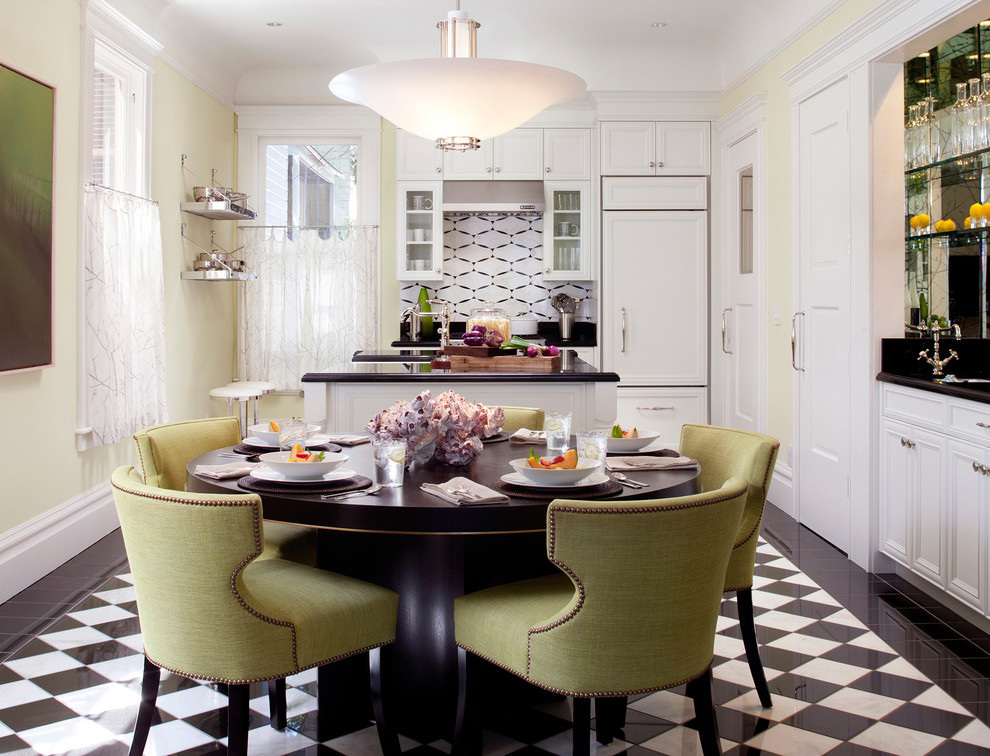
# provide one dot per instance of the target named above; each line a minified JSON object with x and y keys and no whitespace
{"x":314,"y":304}
{"x":124,"y":300}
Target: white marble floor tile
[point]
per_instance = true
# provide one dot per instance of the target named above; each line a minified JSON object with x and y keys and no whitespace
{"x":65,"y":735}
{"x":79,"y":636}
{"x":729,"y":647}
{"x":872,"y":641}
{"x":821,"y":597}
{"x":782,"y":620}
{"x":195,"y":700}
{"x":767,"y":600}
{"x":101,"y":614}
{"x":809,"y":645}
{"x":861,"y":702}
{"x":783,"y":707}
{"x":122,"y":669}
{"x":171,"y":737}
{"x":846,"y":618}
{"x":679,"y":741}
{"x":118,"y":595}
{"x":737,"y":671}
{"x":897,"y":741}
{"x":975,"y":733}
{"x":100,"y":698}
{"x":21,"y":692}
{"x":784,"y":740}
{"x":903,"y":668}
{"x":937,"y":698}
{"x":43,"y":664}
{"x":835,"y":672}
{"x":666,"y":705}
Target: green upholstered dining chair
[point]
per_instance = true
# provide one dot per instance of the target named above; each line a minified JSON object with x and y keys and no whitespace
{"x":165,"y":450}
{"x":723,"y":453}
{"x":633,"y":608}
{"x":210,"y":609}
{"x":522,"y":417}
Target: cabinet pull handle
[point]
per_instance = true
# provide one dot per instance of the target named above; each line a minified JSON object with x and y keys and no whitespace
{"x":978,"y":468}
{"x":727,"y":309}
{"x":623,"y":321}
{"x":548,"y":270}
{"x":656,"y":409}
{"x":794,"y":341}
{"x":982,"y":425}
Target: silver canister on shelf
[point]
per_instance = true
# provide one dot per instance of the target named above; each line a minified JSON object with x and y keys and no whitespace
{"x":566,"y":324}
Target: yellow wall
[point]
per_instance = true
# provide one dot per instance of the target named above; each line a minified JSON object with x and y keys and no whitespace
{"x":780,"y":243}
{"x":43,"y":38}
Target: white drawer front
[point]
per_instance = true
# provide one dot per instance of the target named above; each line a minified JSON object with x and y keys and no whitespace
{"x":915,"y":406}
{"x":970,"y":420}
{"x":663,"y":410}
{"x":655,"y":193}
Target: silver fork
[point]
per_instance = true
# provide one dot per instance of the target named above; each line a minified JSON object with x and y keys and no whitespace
{"x":628,"y":481}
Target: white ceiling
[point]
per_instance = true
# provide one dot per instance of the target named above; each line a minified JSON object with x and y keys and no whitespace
{"x":227,"y":47}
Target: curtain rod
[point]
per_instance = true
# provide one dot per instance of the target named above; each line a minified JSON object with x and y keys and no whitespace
{"x":313,"y":227}
{"x":91,"y":185}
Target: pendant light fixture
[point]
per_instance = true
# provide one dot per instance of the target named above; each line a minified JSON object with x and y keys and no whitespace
{"x":457,"y":99}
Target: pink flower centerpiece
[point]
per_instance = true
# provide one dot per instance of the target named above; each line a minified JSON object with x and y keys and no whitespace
{"x":449,"y":428}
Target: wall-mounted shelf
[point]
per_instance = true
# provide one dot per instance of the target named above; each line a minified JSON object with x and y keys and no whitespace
{"x":218,"y":210}
{"x":217,"y":275}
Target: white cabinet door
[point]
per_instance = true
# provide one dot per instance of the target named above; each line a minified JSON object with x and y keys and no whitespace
{"x":419,"y":231}
{"x":655,"y":297}
{"x":930,"y":523}
{"x":683,"y":148}
{"x":567,"y":154}
{"x":471,"y":164}
{"x":966,"y":509}
{"x":897,"y":486}
{"x":662,"y":409}
{"x":629,"y":148}
{"x":519,"y":155}
{"x":567,"y":232}
{"x":416,"y":158}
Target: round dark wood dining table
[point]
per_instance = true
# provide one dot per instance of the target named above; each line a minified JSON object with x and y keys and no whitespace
{"x":429,"y":551}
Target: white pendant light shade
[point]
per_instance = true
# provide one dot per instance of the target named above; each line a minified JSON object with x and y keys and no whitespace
{"x":443,"y":98}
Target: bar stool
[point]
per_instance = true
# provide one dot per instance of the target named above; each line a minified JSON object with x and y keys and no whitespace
{"x":242,"y":393}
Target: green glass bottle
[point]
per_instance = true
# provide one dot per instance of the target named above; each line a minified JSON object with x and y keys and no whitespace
{"x":426,"y":327}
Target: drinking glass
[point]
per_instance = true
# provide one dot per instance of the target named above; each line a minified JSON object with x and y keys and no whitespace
{"x":390,"y":462}
{"x":291,"y":432}
{"x":558,"y":428}
{"x":593,"y":445}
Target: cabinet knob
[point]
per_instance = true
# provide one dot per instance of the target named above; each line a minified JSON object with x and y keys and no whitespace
{"x":548,"y":169}
{"x":659,"y":164}
{"x":652,"y":164}
{"x":907,"y":442}
{"x":439,"y":170}
{"x":548,"y":270}
{"x":498,"y":170}
{"x":488,"y":170}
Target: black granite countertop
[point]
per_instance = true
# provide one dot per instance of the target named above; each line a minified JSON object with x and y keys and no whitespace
{"x":899,"y":364}
{"x":418,"y":372}
{"x":583,"y":335}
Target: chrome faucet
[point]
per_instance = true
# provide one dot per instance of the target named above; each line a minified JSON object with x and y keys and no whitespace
{"x":415,"y":317}
{"x":935,"y":361}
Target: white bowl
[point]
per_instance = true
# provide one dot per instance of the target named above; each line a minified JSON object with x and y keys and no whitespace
{"x":269,"y":437}
{"x":278,"y":461}
{"x":646,"y":437}
{"x":559,"y":477}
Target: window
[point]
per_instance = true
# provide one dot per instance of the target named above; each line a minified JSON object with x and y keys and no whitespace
{"x":311,"y":186}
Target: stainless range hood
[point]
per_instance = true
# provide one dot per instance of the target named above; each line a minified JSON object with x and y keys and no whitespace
{"x":493,"y":198}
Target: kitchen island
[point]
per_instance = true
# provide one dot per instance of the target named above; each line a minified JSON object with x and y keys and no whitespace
{"x":347,"y":400}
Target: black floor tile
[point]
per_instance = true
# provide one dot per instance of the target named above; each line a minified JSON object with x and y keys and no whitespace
{"x":31,"y":715}
{"x":934,"y":721}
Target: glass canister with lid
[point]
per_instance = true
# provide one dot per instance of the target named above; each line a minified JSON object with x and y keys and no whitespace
{"x":492,"y":317}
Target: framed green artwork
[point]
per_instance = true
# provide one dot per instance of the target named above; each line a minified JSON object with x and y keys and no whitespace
{"x":27,"y":144}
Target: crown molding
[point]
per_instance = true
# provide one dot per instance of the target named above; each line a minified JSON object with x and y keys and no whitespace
{"x":196,"y":81}
{"x":743,"y":118}
{"x":702,"y":105}
{"x":109,"y":21}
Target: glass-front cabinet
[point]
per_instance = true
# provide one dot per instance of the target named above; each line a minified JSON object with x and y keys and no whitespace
{"x":419,"y":241}
{"x":947,"y":183}
{"x":567,"y":233}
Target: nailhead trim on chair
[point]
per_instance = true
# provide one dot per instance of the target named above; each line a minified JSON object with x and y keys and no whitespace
{"x":600,"y":694}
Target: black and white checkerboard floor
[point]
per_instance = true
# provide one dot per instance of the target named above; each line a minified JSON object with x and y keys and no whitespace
{"x":838,"y":689}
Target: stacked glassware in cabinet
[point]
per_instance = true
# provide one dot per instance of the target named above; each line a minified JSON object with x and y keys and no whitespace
{"x":566,"y":251}
{"x":420,"y":243}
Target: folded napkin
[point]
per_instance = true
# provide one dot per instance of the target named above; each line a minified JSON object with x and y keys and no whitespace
{"x":464,"y":491}
{"x":349,"y":440}
{"x":234,"y":469}
{"x":650,"y":463}
{"x":527,"y":436}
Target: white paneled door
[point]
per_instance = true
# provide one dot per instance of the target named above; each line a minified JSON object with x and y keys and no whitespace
{"x":742,"y":348}
{"x":821,"y":321}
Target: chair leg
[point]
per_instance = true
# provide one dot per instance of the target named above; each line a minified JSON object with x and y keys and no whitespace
{"x":380,"y":666}
{"x":146,"y":711}
{"x":467,"y":729}
{"x":744,"y":603}
{"x":238,"y":714}
{"x":277,"y":706}
{"x":700,"y":690}
{"x":582,"y":726}
{"x":610,"y":718}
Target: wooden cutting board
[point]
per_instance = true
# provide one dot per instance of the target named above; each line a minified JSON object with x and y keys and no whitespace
{"x":504,"y":364}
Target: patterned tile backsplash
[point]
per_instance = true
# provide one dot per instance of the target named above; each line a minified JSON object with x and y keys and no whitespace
{"x":499,"y":258}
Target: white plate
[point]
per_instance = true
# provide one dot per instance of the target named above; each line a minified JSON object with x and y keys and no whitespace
{"x":341,"y":473}
{"x":516,"y":479}
{"x":317,"y":439}
{"x":646,"y":437}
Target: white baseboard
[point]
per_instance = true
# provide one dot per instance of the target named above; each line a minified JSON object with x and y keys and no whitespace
{"x":32,"y":550}
{"x":781,"y":493}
